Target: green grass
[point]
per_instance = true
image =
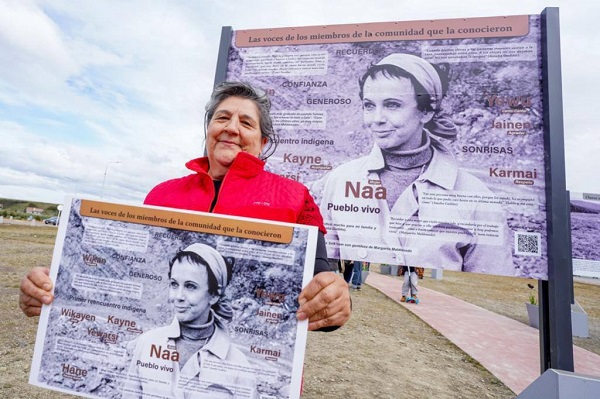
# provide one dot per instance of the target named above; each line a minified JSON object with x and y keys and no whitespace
{"x":16,"y":209}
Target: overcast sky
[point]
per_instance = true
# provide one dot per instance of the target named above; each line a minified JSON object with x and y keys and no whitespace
{"x":105,"y":98}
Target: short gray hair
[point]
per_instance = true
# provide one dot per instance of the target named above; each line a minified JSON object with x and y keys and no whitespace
{"x":245,"y":90}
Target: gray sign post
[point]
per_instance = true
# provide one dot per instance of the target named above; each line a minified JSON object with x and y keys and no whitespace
{"x":556,"y":341}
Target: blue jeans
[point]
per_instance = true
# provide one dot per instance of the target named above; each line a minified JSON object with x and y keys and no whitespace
{"x":357,"y":274}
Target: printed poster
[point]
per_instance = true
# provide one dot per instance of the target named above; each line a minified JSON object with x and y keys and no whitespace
{"x":453,"y":182}
{"x":585,"y":230}
{"x":156,"y":303}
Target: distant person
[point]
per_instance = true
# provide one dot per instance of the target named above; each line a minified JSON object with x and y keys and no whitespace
{"x":208,"y":364}
{"x":348,"y":269}
{"x":336,"y":264}
{"x":357,"y":274}
{"x":402,"y":110}
{"x":410,"y":285}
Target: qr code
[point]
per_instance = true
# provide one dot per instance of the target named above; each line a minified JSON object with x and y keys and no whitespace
{"x":528,"y":243}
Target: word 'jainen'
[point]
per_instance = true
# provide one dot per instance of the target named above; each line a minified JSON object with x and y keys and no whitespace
{"x":511,"y":125}
{"x":366,"y":192}
{"x":511,"y":101}
{"x":269,"y":315}
{"x":301,"y":159}
{"x":165,"y":354}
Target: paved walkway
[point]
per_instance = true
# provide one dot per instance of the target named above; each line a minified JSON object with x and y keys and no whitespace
{"x":507,"y":348}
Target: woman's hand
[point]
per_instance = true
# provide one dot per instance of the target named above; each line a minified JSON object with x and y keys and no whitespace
{"x":325,"y":301}
{"x":36,"y":289}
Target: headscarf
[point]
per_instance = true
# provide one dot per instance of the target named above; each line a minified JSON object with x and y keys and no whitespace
{"x":440,"y":124}
{"x":216,"y":263}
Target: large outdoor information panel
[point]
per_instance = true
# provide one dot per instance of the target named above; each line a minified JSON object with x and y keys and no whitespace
{"x":154,"y":302}
{"x":585,"y":233}
{"x":469,"y":194}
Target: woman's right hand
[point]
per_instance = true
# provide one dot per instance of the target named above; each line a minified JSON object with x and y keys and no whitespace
{"x":36,"y":289}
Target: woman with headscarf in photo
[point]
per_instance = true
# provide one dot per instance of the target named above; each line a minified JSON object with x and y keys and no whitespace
{"x":193,"y":356}
{"x":387,"y":195}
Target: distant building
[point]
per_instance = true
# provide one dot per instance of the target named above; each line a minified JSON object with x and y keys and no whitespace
{"x":33,"y":211}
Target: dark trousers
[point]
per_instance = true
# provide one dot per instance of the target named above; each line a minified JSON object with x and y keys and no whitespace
{"x":348,"y":270}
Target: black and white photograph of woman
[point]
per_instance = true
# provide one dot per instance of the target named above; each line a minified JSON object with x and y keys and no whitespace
{"x":382,"y":195}
{"x":193,"y":356}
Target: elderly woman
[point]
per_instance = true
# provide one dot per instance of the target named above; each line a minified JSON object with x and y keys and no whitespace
{"x":383,"y":194}
{"x":198,"y":276}
{"x":231,"y":180}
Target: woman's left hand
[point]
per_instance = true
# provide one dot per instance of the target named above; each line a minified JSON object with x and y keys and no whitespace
{"x":325,"y":301}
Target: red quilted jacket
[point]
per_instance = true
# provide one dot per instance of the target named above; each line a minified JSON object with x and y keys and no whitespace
{"x":247,"y":190}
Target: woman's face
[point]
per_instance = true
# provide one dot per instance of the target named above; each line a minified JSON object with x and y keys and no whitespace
{"x":234,"y":127}
{"x":189,"y":294}
{"x":390,"y":112}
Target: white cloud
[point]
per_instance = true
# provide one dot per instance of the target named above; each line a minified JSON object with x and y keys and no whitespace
{"x":35,"y":59}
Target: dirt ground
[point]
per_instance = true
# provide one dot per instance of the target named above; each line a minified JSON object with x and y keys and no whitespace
{"x":383,"y":352}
